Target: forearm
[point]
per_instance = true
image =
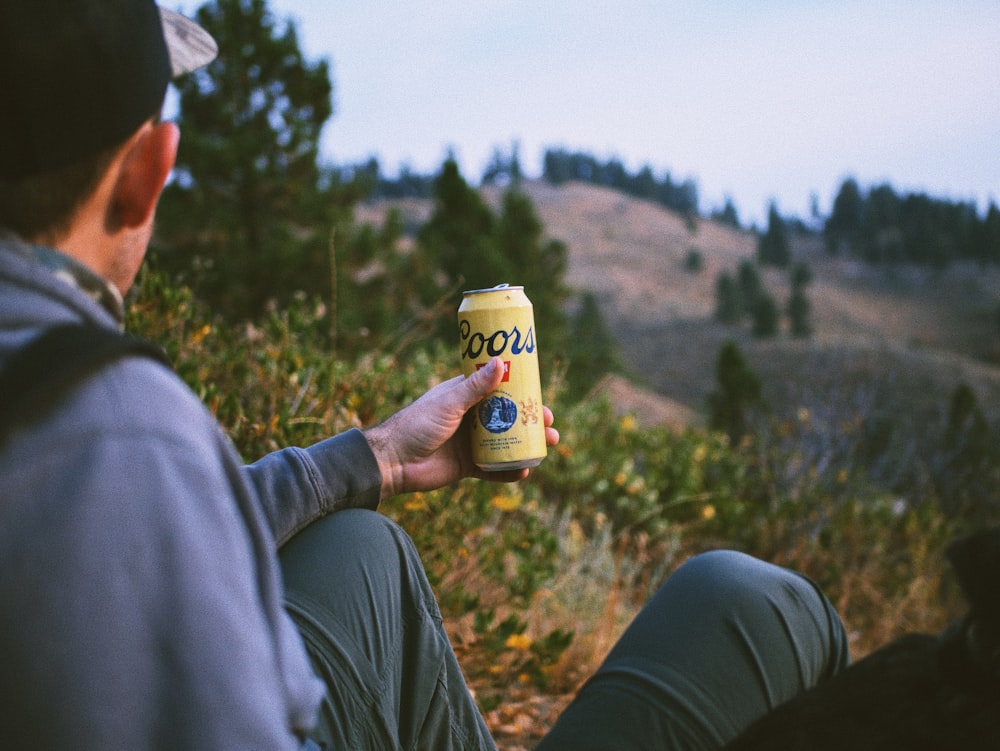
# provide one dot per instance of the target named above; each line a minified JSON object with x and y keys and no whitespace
{"x":297,"y":486}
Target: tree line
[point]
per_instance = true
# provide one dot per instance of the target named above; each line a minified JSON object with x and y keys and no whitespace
{"x":877,"y":226}
{"x":558,"y":166}
{"x":561,"y":165}
{"x":885,"y":227}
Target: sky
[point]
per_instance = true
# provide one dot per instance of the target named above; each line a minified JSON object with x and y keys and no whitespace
{"x":756,"y":101}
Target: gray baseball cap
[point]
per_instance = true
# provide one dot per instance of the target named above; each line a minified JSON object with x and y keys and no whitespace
{"x":79,"y":76}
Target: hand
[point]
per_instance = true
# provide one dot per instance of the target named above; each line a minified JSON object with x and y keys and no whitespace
{"x":427,"y":444}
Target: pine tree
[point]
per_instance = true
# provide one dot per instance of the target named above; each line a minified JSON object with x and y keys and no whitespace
{"x":459,"y":236}
{"x":727,"y":214}
{"x":503,"y":169}
{"x":774,"y":247}
{"x":728,"y":300}
{"x":750,"y":284}
{"x":246,"y":180}
{"x":537,"y":264}
{"x":799,"y":308}
{"x":737,"y":393}
{"x":592,"y":352}
{"x":765,"y":316}
{"x":845,"y":225}
{"x":798,"y":311}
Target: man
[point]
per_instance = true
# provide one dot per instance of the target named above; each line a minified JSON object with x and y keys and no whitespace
{"x":156,"y":593}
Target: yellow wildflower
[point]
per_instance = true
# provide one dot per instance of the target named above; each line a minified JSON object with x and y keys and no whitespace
{"x":520,"y":642}
{"x":200,"y":334}
{"x":416,"y":502}
{"x":506,"y":502}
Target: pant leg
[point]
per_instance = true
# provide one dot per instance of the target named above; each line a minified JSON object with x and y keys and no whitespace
{"x":357,"y":590}
{"x":726,"y":639}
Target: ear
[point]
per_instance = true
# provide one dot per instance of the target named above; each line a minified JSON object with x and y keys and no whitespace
{"x":143,"y":174}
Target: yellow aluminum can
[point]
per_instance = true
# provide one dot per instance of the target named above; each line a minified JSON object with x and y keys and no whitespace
{"x":508,"y":431}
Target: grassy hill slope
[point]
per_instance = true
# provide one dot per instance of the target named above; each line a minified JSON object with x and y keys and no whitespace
{"x":907,"y":334}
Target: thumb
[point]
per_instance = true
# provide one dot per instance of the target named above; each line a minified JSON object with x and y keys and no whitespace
{"x":484,"y":381}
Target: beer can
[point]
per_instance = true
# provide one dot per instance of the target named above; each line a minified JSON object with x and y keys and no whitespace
{"x":508,"y":431}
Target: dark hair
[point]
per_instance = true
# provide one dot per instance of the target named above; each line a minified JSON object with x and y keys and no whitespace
{"x":43,"y":206}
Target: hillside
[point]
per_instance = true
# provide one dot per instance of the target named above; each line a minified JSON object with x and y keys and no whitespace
{"x":909,"y":335}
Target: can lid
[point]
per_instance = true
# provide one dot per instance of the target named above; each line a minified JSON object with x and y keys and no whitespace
{"x":491,"y":289}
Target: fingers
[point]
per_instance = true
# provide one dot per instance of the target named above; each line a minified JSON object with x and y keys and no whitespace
{"x":486,"y":380}
{"x":551,"y":434}
{"x":515,"y":475}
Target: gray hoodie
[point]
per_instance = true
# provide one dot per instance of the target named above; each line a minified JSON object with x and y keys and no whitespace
{"x":140,"y":596}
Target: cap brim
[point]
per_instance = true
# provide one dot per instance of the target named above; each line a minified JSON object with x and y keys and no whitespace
{"x":189,"y":45}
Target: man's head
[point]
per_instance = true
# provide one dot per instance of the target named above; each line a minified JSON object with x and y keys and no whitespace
{"x":81,"y":82}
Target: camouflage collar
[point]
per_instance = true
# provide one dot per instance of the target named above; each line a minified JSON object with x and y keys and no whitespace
{"x":79,"y":276}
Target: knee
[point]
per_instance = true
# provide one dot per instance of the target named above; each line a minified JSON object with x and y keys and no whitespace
{"x":728,"y":573}
{"x":356,"y":539}
{"x":724,"y":563}
{"x":371,"y":535}
{"x":740,"y":583}
{"x":365,"y":528}
{"x":358,"y":526}
{"x":772,"y":605}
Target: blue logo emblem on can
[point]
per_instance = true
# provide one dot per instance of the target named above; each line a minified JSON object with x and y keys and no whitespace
{"x":498,"y":414}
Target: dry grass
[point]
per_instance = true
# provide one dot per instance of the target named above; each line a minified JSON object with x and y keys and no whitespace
{"x":594,"y":593}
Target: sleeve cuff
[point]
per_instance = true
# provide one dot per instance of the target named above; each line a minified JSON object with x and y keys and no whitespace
{"x":347,"y":472}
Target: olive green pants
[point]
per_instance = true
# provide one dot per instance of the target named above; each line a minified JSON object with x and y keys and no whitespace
{"x":723,"y":641}
{"x":357,"y":591}
{"x":726,"y":639}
